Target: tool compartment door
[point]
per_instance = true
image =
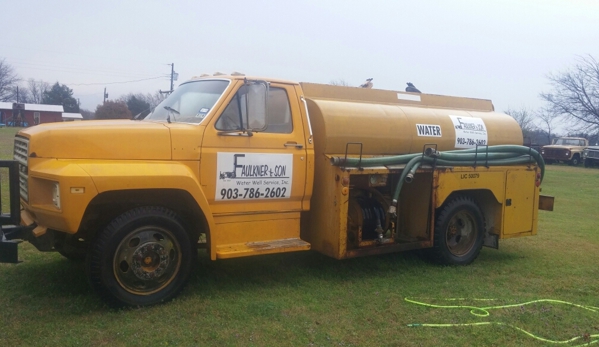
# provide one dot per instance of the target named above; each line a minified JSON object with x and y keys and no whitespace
{"x":519,"y":201}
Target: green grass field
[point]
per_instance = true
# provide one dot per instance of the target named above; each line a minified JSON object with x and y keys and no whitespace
{"x":306,"y":299}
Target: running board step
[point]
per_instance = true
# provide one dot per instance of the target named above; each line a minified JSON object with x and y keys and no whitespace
{"x":264,"y":247}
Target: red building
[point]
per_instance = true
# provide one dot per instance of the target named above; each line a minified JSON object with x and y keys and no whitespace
{"x":18,"y":114}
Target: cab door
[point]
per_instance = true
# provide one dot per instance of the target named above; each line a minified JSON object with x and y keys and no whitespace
{"x":256,"y":171}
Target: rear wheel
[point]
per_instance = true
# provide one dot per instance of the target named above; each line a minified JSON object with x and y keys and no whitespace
{"x":459,"y":230}
{"x":142,"y":258}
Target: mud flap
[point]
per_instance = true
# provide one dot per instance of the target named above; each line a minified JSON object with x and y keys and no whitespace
{"x":491,"y":241}
{"x":546,"y":202}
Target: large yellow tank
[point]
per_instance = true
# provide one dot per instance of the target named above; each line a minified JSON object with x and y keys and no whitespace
{"x":389,"y":122}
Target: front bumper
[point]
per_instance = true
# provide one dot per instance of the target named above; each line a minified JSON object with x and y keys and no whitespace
{"x":556,"y":157}
{"x":17,"y":225}
{"x":10,"y":228}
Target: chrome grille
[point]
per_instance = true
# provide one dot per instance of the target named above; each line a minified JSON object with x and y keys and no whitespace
{"x":21,"y":154}
{"x":593,"y":154}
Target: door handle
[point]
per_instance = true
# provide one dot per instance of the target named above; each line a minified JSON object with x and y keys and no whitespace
{"x":294,"y":144}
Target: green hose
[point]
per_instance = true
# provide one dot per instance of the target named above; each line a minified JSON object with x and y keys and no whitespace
{"x":413,"y":164}
{"x":377,"y":161}
{"x":492,"y":156}
{"x":484,"y":312}
{"x":482,"y":154}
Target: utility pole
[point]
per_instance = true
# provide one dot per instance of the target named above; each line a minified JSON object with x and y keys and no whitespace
{"x":105,"y":96}
{"x":174,"y":77}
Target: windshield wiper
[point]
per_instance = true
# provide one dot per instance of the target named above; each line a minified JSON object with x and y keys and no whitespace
{"x":168,"y":118}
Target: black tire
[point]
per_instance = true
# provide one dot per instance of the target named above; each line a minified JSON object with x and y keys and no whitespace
{"x":459,"y":231}
{"x":575,"y":160}
{"x":143,"y":257}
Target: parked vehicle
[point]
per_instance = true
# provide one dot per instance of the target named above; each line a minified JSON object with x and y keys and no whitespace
{"x":565,"y":149}
{"x":591,"y":156}
{"x":244,"y":166}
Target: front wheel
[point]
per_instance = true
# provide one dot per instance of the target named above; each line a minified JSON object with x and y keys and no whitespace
{"x":142,"y":258}
{"x":459,"y":230}
{"x":575,"y":160}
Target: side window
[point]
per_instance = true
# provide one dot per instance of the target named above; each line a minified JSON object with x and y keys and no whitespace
{"x":279,"y":113}
{"x":231,"y":118}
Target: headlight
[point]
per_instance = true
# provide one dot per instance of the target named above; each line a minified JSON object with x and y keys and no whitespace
{"x":542,"y":151}
{"x":56,"y":195}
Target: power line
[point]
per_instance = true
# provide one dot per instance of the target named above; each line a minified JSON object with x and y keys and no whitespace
{"x":122,"y":82}
{"x":63,"y":53}
{"x":47,"y":67}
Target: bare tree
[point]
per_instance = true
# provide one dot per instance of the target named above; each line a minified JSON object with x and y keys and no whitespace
{"x":576,"y":93}
{"x":155,"y":99}
{"x":547,"y":118}
{"x":525,"y":119}
{"x":112,"y":110}
{"x":87,"y":114}
{"x":37,"y":90}
{"x":21,"y":95}
{"x":8,"y":81}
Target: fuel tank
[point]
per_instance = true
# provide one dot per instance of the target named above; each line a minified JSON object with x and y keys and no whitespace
{"x":390,"y":122}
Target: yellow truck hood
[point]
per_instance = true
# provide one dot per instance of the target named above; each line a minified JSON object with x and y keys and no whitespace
{"x":108,"y":139}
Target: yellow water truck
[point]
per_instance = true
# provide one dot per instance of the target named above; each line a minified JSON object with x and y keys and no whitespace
{"x":242,"y":166}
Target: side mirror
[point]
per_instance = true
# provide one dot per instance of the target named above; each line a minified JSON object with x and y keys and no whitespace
{"x":256,"y":101}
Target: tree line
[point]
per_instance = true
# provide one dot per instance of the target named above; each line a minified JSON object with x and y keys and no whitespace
{"x":34,"y":91}
{"x":12,"y":89}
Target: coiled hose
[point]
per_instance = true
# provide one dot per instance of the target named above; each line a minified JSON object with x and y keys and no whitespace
{"x":490,"y":156}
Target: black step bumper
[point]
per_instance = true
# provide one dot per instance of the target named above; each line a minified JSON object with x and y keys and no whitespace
{"x":10,"y":229}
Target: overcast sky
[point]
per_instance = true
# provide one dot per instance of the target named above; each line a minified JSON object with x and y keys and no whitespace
{"x":498,"y":50}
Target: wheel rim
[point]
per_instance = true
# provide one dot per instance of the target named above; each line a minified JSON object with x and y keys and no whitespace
{"x":461,"y":233}
{"x":147,"y":260}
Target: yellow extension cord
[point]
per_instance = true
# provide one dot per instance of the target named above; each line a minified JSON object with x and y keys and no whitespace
{"x":484,"y":312}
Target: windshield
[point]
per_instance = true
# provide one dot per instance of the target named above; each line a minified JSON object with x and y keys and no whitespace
{"x":569,"y":142}
{"x":190,"y":102}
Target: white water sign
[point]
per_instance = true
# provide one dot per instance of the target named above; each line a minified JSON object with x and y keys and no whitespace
{"x":469,"y":132}
{"x":251,"y":176}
